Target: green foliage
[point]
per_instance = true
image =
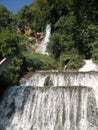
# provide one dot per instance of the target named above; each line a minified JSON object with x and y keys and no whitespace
{"x":24,"y":16}
{"x":74,"y":35}
{"x":34,"y":16}
{"x":95,"y":54}
{"x":59,"y":8}
{"x":65,"y":24}
{"x":95,"y":49}
{"x":14,"y":71}
{"x":85,"y":37}
{"x":56,"y":45}
{"x":7,"y":20}
{"x":40,"y":12}
{"x":71,"y":60}
{"x":62,"y":39}
{"x":39,"y":62}
{"x":11,"y":43}
{"x":4,"y":17}
{"x":85,"y":10}
{"x":75,"y":63}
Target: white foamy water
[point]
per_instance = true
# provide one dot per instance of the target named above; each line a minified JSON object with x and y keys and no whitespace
{"x":89,"y":66}
{"x":26,"y":108}
{"x":52,"y":101}
{"x":89,"y":79}
{"x":43,"y":46}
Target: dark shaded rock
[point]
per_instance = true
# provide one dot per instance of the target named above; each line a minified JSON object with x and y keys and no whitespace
{"x":48,"y":81}
{"x":4,"y":84}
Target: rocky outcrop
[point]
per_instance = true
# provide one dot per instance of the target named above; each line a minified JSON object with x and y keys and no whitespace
{"x":4,"y":64}
{"x":34,"y":38}
{"x":4,"y":83}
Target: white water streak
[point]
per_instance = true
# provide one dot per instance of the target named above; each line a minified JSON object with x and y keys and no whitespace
{"x":89,"y":66}
{"x":43,"y":47}
{"x":70,"y":103}
{"x":47,"y":109}
{"x":89,"y":79}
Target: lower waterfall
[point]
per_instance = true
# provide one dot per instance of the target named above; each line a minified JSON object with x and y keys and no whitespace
{"x":52,"y":101}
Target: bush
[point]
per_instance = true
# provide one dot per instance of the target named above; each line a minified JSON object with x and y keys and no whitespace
{"x":14,"y":71}
{"x":72,"y":60}
{"x":39,"y":62}
{"x":85,"y":39}
{"x":61,"y":40}
{"x":75,"y":63}
{"x":11,"y":43}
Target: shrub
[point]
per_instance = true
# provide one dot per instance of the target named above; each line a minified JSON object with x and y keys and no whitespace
{"x":72,"y":60}
{"x":39,"y":62}
{"x":14,"y":70}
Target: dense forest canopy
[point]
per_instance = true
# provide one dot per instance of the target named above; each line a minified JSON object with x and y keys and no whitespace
{"x":74,"y":34}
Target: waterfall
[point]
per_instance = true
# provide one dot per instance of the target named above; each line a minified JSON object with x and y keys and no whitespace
{"x":89,"y":66}
{"x":89,"y":79}
{"x":43,"y":47}
{"x":52,"y":101}
{"x":64,"y":108}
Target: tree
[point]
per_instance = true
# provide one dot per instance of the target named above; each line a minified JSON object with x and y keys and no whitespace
{"x":61,"y":40}
{"x":4,"y":17}
{"x":85,"y":10}
{"x":59,"y":8}
{"x":85,"y":37}
{"x":24,"y":16}
{"x":57,"y":45}
{"x":14,"y":70}
{"x":11,"y":43}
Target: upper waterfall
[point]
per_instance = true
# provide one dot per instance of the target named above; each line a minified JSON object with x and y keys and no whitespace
{"x":43,"y":46}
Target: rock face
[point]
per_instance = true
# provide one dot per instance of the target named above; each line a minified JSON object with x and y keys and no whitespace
{"x":34,"y":38}
{"x":4,"y":83}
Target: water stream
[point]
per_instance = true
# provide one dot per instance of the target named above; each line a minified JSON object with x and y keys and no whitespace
{"x":89,"y":66}
{"x":43,"y":46}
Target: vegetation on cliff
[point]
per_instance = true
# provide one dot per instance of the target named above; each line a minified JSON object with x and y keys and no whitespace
{"x":74,"y":35}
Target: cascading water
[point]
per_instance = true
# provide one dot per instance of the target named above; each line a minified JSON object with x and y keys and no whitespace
{"x":43,"y":46}
{"x":70,"y":108}
{"x":52,"y":101}
{"x":89,"y":66}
